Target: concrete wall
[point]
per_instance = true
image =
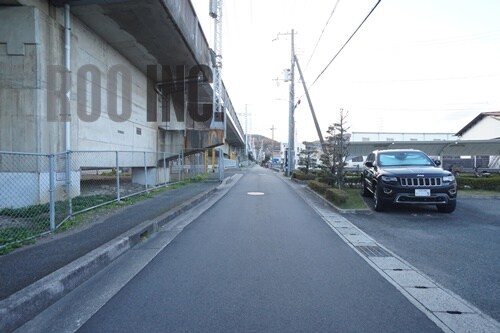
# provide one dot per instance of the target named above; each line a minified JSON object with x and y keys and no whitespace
{"x":128,"y":133}
{"x":31,"y":41}
{"x":20,"y":80}
{"x":21,"y":189}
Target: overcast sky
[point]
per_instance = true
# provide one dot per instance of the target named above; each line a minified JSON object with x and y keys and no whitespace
{"x":414,"y":66}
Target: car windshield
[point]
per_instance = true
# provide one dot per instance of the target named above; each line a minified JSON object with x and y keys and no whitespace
{"x":404,"y":158}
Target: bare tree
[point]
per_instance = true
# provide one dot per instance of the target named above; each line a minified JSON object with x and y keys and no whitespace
{"x":337,"y":148}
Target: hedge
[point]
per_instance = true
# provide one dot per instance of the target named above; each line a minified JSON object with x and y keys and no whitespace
{"x":479,"y":183}
{"x":303,"y":176}
{"x":318,"y":186}
{"x":336,"y":196}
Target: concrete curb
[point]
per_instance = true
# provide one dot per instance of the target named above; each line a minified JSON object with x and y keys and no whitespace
{"x":25,"y":304}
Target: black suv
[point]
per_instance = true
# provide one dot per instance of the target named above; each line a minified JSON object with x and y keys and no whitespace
{"x":407,"y":176}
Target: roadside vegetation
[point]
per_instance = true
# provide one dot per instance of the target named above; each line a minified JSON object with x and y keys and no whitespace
{"x":484,"y":184}
{"x":329,"y":178}
{"x":28,"y":223}
{"x":349,"y":196}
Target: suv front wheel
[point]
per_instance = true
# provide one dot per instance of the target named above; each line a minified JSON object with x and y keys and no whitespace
{"x":448,"y":208}
{"x":364,"y":191}
{"x":378,"y":204}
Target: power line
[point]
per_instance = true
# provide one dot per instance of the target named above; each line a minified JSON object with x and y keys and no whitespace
{"x":343,"y":46}
{"x":321,"y":35}
{"x":450,"y":78}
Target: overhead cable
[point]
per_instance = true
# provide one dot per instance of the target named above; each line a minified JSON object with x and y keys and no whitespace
{"x":343,"y":46}
{"x":321,"y":35}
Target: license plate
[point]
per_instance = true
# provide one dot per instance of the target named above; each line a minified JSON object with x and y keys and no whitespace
{"x":420,"y":192}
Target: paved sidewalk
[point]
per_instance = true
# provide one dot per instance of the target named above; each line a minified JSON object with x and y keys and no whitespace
{"x":34,"y":277}
{"x":24,"y":266}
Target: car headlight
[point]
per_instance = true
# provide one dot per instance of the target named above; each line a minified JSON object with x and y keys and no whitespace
{"x":449,"y":178}
{"x":389,"y":179}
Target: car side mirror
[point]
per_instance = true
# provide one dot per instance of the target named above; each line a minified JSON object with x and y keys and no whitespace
{"x":437,"y":162}
{"x":369,"y":164}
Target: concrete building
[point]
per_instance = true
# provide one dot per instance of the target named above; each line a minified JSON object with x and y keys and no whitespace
{"x":107,"y":76}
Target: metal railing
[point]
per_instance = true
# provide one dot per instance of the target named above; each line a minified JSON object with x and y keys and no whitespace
{"x":39,"y":192}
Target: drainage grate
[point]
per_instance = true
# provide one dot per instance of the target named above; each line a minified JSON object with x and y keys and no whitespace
{"x":373,"y":251}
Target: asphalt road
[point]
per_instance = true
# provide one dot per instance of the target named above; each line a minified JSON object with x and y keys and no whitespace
{"x":253,"y":262}
{"x":460,"y":251}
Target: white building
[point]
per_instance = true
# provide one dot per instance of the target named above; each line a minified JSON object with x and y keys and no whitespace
{"x":486,"y":126}
{"x":400,"y":136}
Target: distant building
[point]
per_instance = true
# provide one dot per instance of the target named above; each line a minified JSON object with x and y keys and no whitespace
{"x":485,"y":126}
{"x":400,"y":136}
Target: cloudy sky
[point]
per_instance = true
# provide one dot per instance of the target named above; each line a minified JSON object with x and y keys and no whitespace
{"x":414,"y":66}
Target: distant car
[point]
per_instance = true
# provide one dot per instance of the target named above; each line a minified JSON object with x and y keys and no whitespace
{"x":407,"y":176}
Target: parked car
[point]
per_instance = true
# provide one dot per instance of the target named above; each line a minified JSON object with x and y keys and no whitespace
{"x":407,"y":176}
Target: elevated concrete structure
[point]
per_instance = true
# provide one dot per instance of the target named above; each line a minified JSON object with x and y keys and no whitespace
{"x":140,"y":80}
{"x":137,"y":35}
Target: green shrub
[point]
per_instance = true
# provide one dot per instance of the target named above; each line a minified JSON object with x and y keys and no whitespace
{"x":329,"y":180}
{"x":336,"y":196}
{"x":318,"y":186}
{"x":479,"y":183}
{"x":303,"y":176}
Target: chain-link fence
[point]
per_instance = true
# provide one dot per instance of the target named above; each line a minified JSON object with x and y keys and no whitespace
{"x":39,"y":192}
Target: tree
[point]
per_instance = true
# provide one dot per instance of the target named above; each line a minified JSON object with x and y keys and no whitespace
{"x":337,"y":149}
{"x":307,"y":156}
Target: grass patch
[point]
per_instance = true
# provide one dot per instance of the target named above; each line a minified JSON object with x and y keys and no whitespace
{"x":347,"y":198}
{"x":79,"y":219}
{"x":353,"y":201}
{"x":32,"y":221}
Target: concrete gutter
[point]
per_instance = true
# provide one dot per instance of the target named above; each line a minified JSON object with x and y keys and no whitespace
{"x":30,"y":301}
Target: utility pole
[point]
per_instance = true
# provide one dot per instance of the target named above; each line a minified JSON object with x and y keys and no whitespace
{"x":272,"y":138}
{"x":246,"y":129}
{"x":246,"y":133}
{"x":321,"y":140}
{"x":291,"y":120}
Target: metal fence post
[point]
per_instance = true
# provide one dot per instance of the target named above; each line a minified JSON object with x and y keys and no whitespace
{"x":68,"y":182}
{"x":179,"y":165}
{"x":165,"y":168}
{"x":52,"y":204}
{"x":198,"y":166}
{"x":145,"y":172}
{"x":182,"y":163}
{"x":117,"y":177}
{"x":221,"y":165}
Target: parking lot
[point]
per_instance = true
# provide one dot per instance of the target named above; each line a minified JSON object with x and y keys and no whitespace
{"x":460,"y":251}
